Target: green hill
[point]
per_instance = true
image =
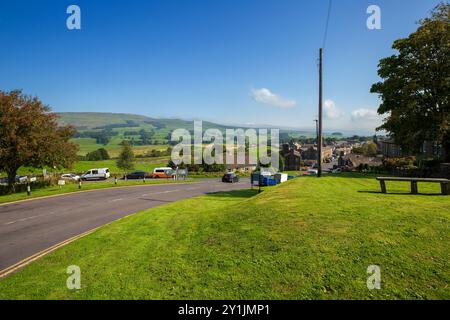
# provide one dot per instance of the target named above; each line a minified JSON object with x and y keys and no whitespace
{"x":96,"y":120}
{"x":121,"y":126}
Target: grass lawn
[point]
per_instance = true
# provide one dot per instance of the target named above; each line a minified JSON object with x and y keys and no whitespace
{"x":73,"y":187}
{"x":305,"y":239}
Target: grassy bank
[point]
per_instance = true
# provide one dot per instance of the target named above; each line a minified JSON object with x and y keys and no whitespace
{"x":306,"y":239}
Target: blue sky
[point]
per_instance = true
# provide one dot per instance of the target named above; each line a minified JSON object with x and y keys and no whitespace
{"x":229,"y":61}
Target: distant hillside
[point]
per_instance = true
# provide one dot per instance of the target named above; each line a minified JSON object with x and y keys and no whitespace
{"x":96,"y":120}
{"x":108,"y":130}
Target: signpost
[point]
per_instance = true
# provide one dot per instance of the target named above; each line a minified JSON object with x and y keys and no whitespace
{"x":61,"y":183}
{"x":31,"y":180}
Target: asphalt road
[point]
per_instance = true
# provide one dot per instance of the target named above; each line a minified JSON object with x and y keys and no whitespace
{"x":29,"y":227}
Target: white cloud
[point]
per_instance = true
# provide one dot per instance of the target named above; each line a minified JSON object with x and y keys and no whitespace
{"x":365,"y":115}
{"x":265,"y":96}
{"x":331,"y":111}
{"x":366,"y":119}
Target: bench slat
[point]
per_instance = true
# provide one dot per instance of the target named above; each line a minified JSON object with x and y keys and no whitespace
{"x":433,"y":180}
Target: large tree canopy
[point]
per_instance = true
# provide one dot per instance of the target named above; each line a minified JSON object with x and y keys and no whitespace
{"x":30,"y":135}
{"x":415,"y":85}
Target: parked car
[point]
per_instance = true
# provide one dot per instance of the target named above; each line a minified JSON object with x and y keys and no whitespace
{"x":162,"y":173}
{"x":311,"y":172}
{"x":137,"y":175}
{"x":96,"y":174}
{"x":230,"y":177}
{"x":19,"y":179}
{"x":70,"y":176}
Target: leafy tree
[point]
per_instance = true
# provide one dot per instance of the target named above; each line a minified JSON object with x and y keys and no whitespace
{"x":281,"y":163}
{"x":126,"y":157}
{"x":372,"y":149}
{"x":360,"y":150}
{"x":416,"y":84}
{"x":30,"y":136}
{"x":101,"y":137}
{"x":375,"y":139}
{"x":98,"y":155}
{"x":104,"y":154}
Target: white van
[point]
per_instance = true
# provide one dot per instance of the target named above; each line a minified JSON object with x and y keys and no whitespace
{"x":96,"y":174}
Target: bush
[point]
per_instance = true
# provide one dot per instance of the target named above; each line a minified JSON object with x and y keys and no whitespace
{"x":97,"y":155}
{"x":406,"y":162}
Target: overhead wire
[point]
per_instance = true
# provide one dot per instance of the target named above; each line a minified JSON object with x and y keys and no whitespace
{"x":325,"y":35}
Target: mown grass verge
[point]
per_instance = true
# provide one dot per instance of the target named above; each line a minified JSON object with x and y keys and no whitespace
{"x":306,"y":239}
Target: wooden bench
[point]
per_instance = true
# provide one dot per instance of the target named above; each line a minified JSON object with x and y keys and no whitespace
{"x":445,"y":183}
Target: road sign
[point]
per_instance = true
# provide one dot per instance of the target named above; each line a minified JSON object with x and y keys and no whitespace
{"x":61,"y":182}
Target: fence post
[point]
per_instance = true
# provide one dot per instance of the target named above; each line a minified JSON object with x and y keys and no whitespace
{"x":28,"y":189}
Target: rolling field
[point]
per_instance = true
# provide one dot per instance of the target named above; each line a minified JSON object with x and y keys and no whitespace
{"x":87,"y":145}
{"x":305,"y":239}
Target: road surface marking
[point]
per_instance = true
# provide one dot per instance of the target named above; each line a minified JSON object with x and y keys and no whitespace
{"x":21,"y":264}
{"x":161,"y":192}
{"x":28,"y":218}
{"x":42,"y":253}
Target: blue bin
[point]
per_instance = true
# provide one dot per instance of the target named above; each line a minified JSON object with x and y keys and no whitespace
{"x":269,"y":182}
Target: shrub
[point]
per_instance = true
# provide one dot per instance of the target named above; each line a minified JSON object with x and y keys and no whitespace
{"x":97,"y":155}
{"x":406,"y":162}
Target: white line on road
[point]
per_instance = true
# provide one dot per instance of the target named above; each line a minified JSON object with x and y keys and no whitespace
{"x":161,"y":192}
{"x":28,"y":218}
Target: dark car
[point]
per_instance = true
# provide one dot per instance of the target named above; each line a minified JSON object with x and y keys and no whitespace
{"x":19,"y":179}
{"x":137,"y":175}
{"x":230,"y":178}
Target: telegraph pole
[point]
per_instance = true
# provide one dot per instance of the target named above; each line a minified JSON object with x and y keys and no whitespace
{"x":320,"y":136}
